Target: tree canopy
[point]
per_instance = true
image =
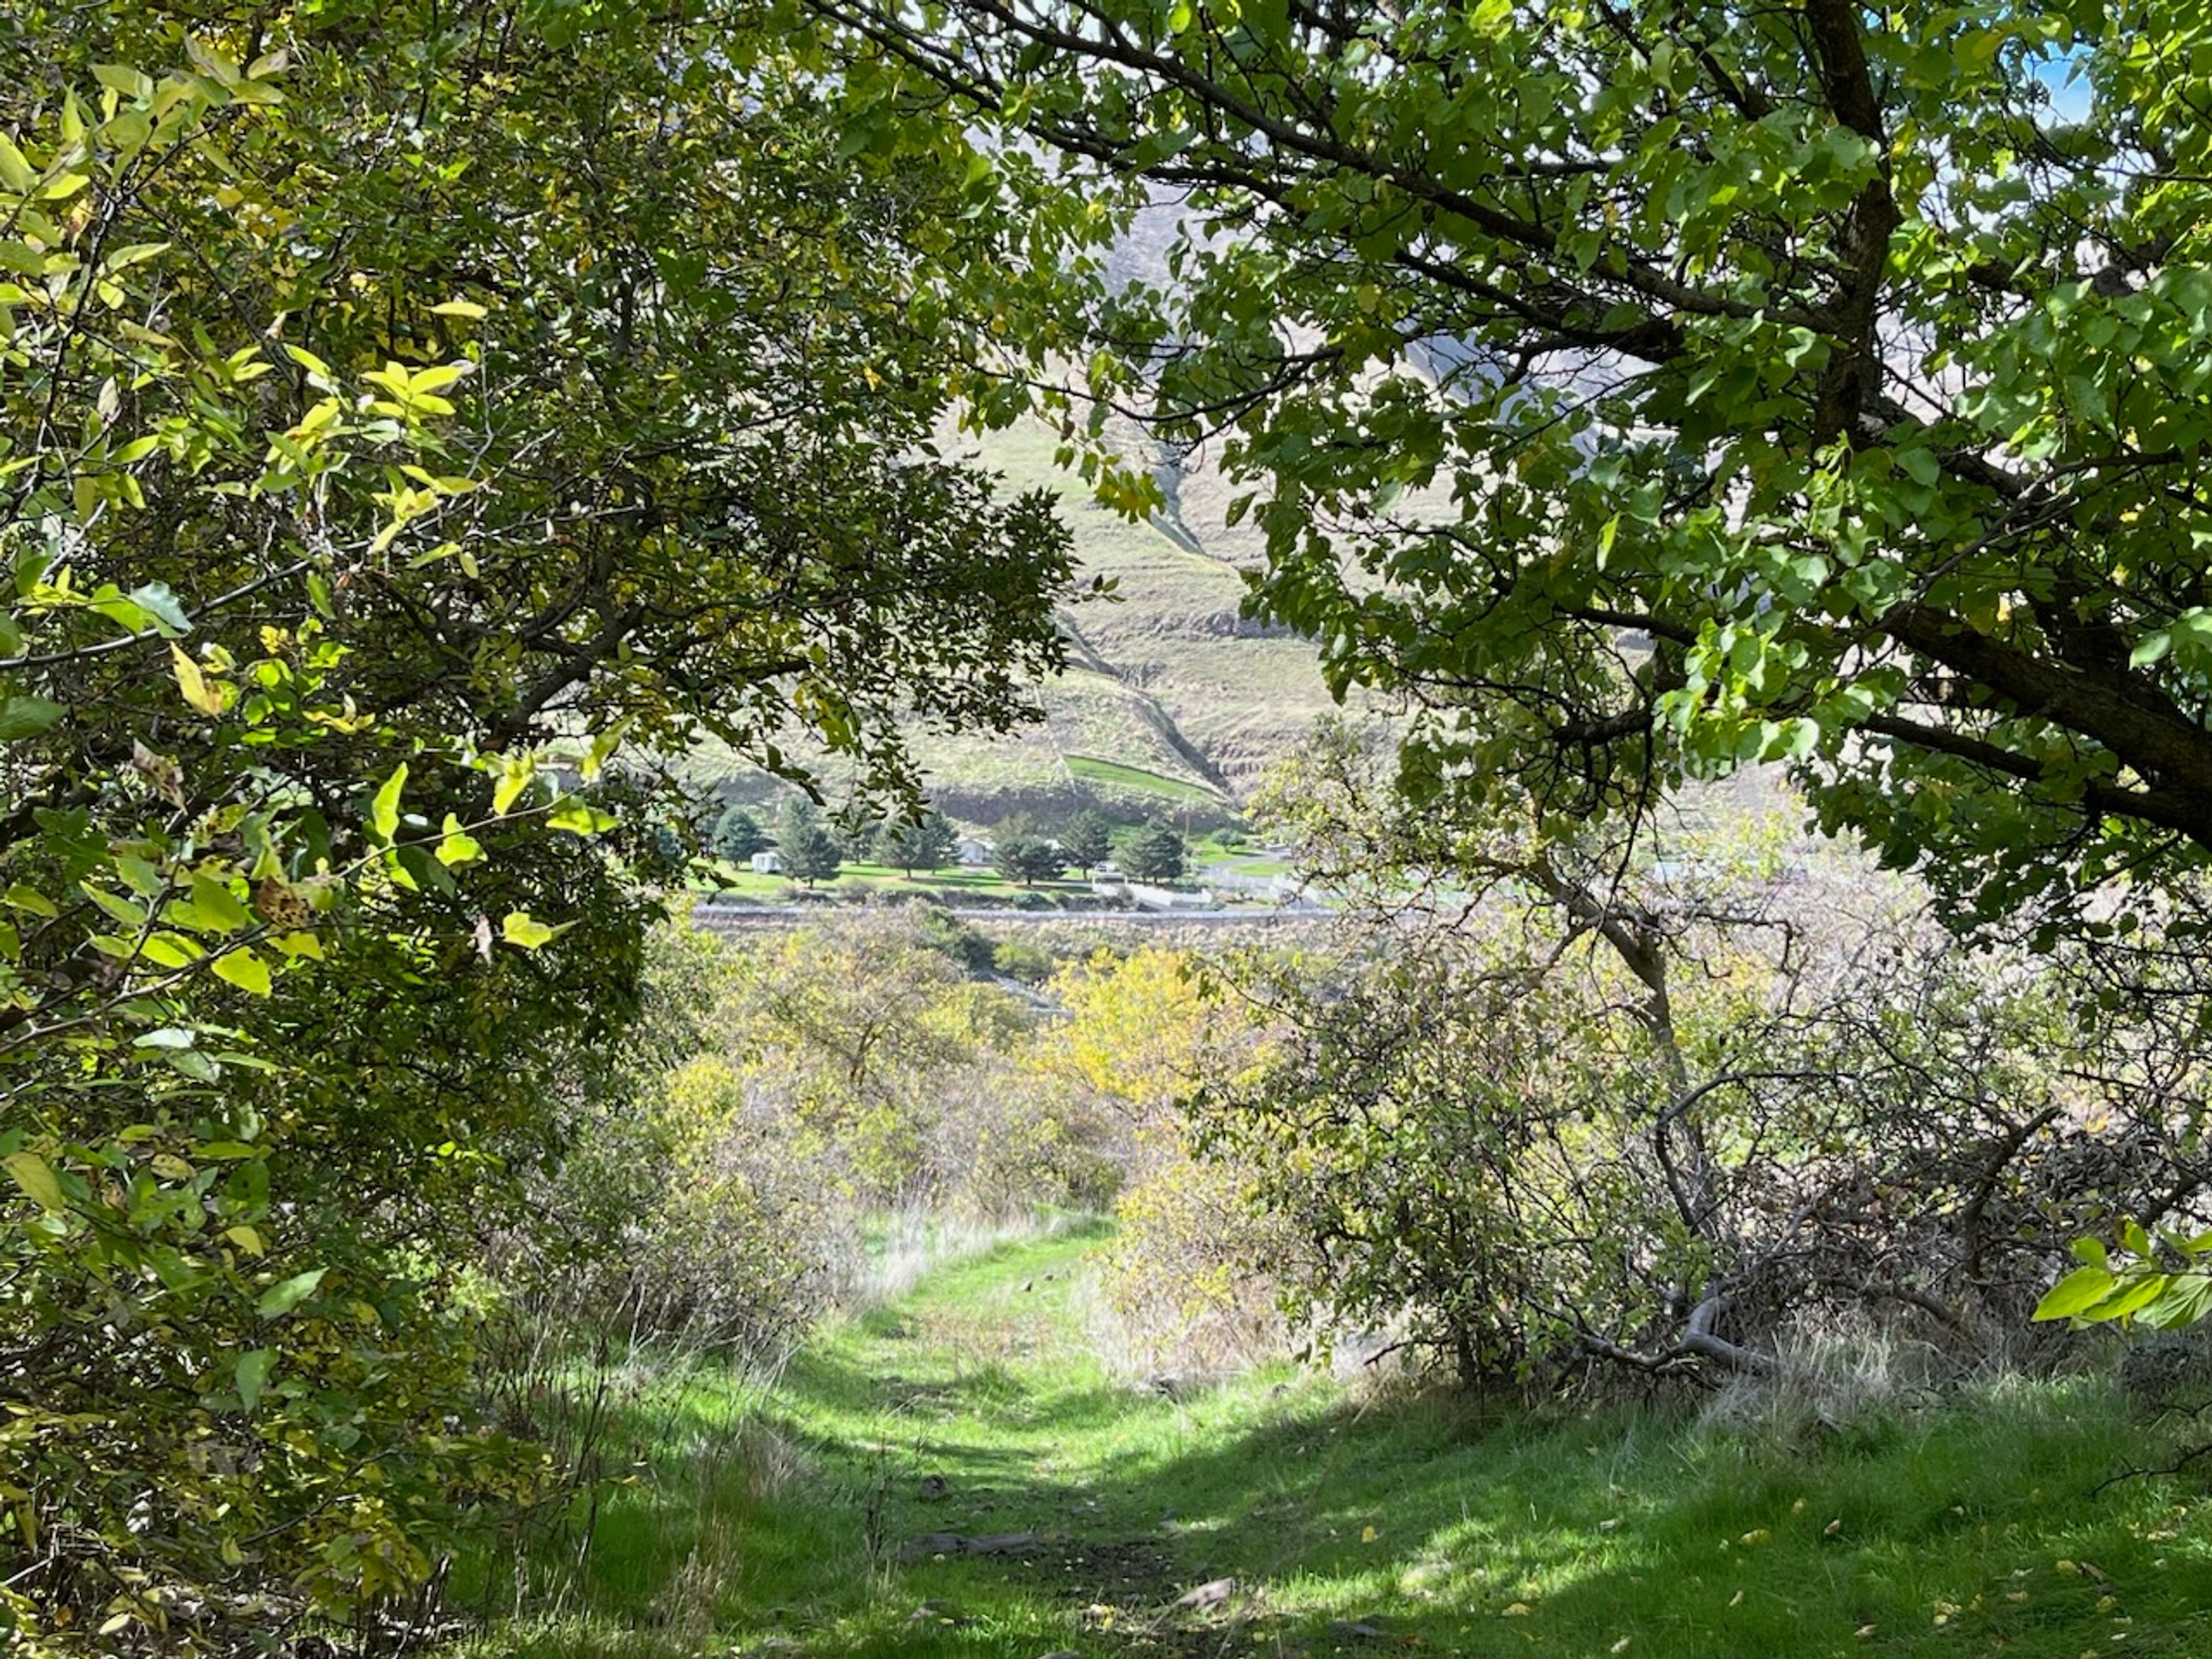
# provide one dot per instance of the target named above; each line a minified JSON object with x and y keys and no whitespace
{"x":1086,"y":839}
{"x":1154,"y":852}
{"x":412,"y":419}
{"x":1028,"y":860}
{"x":1645,"y":391}
{"x":927,"y":843}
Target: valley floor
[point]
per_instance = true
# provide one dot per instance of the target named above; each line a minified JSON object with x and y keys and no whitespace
{"x":958,"y":1475}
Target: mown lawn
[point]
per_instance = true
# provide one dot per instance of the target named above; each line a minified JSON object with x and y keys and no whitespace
{"x":775,"y":1525}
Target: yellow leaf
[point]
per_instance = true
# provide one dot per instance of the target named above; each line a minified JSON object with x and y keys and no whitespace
{"x":206,"y":698}
{"x":1516,"y":1610}
{"x":1367,"y":1534}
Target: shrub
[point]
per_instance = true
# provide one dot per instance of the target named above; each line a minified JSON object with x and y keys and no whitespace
{"x":1021,"y":959}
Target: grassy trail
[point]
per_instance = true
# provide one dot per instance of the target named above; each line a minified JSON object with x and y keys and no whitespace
{"x":802,"y":1526}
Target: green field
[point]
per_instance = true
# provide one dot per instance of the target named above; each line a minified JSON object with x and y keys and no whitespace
{"x":1092,"y":769}
{"x":787,"y":1523}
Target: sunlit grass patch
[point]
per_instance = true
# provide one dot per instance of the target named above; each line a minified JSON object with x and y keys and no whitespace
{"x":974,"y":1406}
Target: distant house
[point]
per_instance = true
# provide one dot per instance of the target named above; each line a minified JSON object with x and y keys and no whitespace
{"x":768,"y":863}
{"x":973,"y":852}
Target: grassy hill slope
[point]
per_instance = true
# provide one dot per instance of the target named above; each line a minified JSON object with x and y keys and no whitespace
{"x":1173,"y":700}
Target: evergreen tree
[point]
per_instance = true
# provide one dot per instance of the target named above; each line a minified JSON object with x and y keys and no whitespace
{"x":1155,"y":852}
{"x":794,"y":816}
{"x":811,"y":854}
{"x":737,"y":836}
{"x":1028,"y":860}
{"x":910,"y":844}
{"x":1086,"y":839}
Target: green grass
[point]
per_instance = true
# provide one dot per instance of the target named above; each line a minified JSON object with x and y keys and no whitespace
{"x":1091,"y":770}
{"x":951,"y":884}
{"x":1970,"y":1529}
{"x":1234,"y":864}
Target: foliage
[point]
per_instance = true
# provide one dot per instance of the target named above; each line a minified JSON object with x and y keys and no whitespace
{"x":1154,"y":852}
{"x":1644,"y":392}
{"x":394,"y":403}
{"x":1086,"y":840}
{"x":871,"y":1059}
{"x":1021,"y":959}
{"x":679,"y":1212}
{"x":812,"y":853}
{"x":737,"y":836}
{"x":927,"y":843}
{"x":1586,"y":1111}
{"x":1190,"y":1275}
{"x":2156,"y":1285}
{"x":1028,"y":860}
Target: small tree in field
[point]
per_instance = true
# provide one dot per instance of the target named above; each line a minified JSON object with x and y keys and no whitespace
{"x":1086,"y":840}
{"x":737,"y":836}
{"x":811,"y":854}
{"x":1155,"y":852}
{"x":926,"y":843}
{"x":1028,"y":860}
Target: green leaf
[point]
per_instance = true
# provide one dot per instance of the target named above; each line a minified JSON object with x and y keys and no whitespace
{"x":31,"y":899}
{"x":245,"y":970}
{"x":456,"y":845}
{"x":515,"y":777}
{"x":521,"y":928}
{"x":217,"y":906}
{"x":578,"y":818}
{"x":2082,"y":1288}
{"x":158,"y":601}
{"x":2134,"y":1292}
{"x":384,"y":812}
{"x":171,"y":950}
{"x":126,"y":911}
{"x":280,"y":1299}
{"x":15,"y":172}
{"x":37,"y":1179}
{"x":26,"y":717}
{"x":2152,"y":646}
{"x":252,"y":1374}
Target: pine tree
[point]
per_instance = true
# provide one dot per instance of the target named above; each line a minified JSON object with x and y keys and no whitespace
{"x":1155,"y":852}
{"x":737,"y":836}
{"x":1086,"y":839}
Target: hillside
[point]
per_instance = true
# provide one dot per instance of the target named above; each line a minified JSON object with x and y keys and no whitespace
{"x":1173,"y":700}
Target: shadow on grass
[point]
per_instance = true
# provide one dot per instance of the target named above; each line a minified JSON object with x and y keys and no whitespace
{"x":1417,"y":1526}
{"x":1413,"y":1525}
